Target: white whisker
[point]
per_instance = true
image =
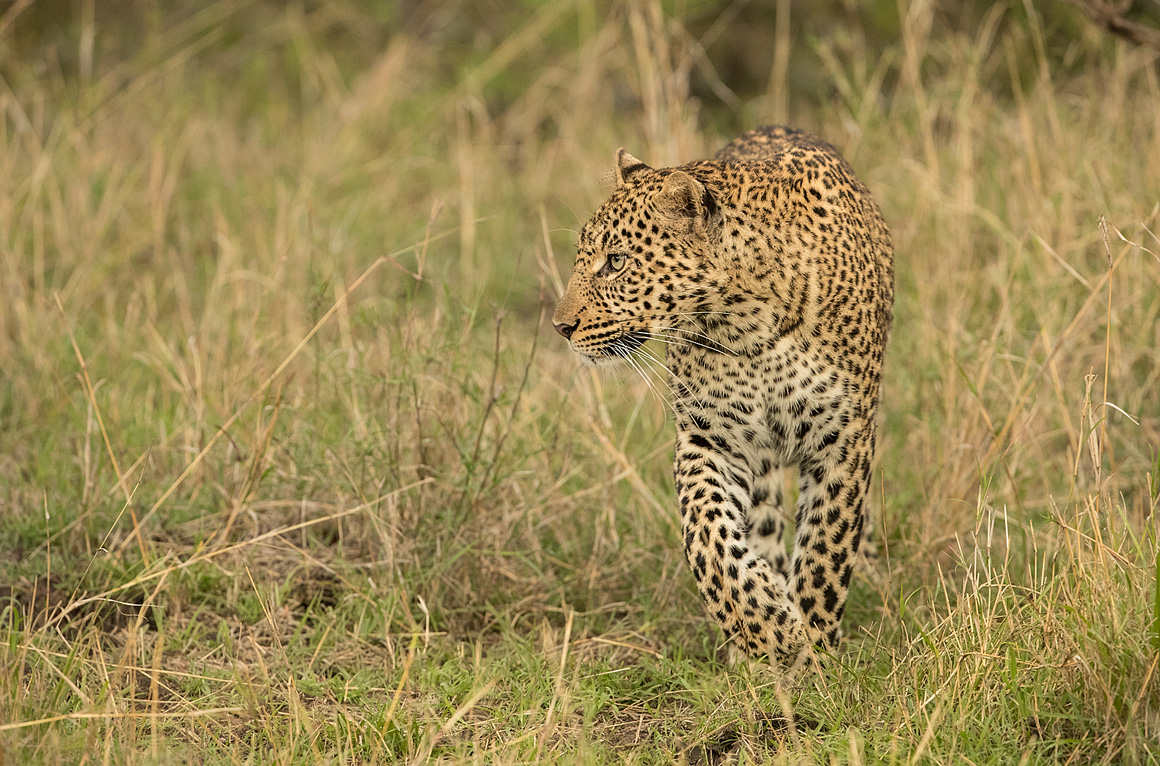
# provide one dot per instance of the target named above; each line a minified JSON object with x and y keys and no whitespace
{"x":626,"y":355}
{"x":650,"y":358}
{"x":687,"y":331}
{"x":699,"y":333}
{"x":669,"y":338}
{"x":648,"y":361}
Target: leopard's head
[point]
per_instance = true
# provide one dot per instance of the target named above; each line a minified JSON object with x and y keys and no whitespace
{"x":643,"y":265}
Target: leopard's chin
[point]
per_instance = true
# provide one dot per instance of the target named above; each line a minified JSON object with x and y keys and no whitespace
{"x":600,"y":361}
{"x":614,"y":352}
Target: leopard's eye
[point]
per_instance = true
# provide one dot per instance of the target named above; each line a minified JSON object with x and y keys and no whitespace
{"x":616,"y":261}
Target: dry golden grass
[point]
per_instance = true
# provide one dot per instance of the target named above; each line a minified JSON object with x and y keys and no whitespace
{"x":292,"y":469}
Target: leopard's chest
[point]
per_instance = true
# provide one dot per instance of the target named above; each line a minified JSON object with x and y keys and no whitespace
{"x":782,"y":399}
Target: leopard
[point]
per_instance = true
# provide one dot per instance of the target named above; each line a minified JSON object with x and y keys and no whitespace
{"x":767,"y":273}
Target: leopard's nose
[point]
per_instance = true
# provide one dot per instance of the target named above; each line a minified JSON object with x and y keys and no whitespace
{"x":566,"y":329}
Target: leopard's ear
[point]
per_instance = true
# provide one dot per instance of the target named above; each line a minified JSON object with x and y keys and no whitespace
{"x":688,"y":204}
{"x":626,"y":165}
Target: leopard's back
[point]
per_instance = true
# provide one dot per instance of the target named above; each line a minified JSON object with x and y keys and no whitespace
{"x":768,"y":141}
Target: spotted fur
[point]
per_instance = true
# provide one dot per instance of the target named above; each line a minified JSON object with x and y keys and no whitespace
{"x":768,"y":273}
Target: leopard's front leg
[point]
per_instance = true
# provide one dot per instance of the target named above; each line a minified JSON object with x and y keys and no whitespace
{"x":830,"y":518}
{"x":743,"y":591}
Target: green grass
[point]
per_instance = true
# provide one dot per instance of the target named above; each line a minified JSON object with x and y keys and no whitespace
{"x":294,"y":470}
